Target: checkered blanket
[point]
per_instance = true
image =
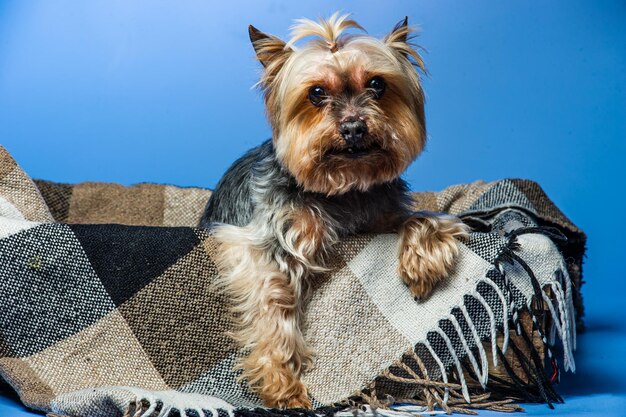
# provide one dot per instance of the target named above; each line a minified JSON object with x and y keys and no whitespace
{"x":107,"y":306}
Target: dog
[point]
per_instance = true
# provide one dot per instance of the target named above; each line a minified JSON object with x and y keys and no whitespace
{"x":347,"y":119}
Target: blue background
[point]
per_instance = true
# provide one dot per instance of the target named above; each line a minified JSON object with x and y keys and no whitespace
{"x":160,"y":91}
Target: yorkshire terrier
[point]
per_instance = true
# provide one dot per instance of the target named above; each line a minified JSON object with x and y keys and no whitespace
{"x":347,"y":117}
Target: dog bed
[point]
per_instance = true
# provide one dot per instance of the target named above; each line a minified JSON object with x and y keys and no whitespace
{"x":107,"y":307}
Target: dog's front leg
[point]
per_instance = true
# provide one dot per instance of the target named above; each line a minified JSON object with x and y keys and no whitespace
{"x":264,"y":303}
{"x":264,"y":277}
{"x":428,"y":249}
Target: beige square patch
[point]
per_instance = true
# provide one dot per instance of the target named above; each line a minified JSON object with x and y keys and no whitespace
{"x":19,"y":190}
{"x":105,"y":353}
{"x":352,"y":351}
{"x":184,"y":206}
{"x":7,"y":163}
{"x":426,"y":200}
{"x":57,"y":197}
{"x":180,"y":319}
{"x":458,"y":198}
{"x":94,"y":202}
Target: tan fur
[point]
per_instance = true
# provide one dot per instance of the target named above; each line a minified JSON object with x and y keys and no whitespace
{"x":266,"y":312}
{"x":304,"y":134}
{"x":328,"y":30}
{"x":428,"y":249}
{"x":267,"y":295}
{"x":265,"y":266}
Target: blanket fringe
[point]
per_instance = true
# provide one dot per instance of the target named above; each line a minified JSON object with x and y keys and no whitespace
{"x":466,"y":357}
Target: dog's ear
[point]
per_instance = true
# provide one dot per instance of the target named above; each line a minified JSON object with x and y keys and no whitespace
{"x":269,"y":49}
{"x":400,"y":32}
{"x":399,"y":40}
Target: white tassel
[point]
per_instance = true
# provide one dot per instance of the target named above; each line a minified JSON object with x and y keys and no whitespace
{"x":152,"y":405}
{"x":212,"y":410}
{"x":444,"y":375}
{"x":568,"y":359}
{"x":560,"y":299}
{"x":555,"y":316}
{"x":505,"y":314}
{"x":456,"y":362}
{"x":416,"y":410}
{"x":570,"y":304}
{"x":139,"y":412}
{"x":479,"y":343}
{"x":492,"y":320}
{"x":573,"y":332}
{"x":397,"y":411}
{"x":166,"y":411}
{"x":470,"y":354}
{"x":512,"y":311}
{"x":172,"y":400}
{"x":553,"y":330}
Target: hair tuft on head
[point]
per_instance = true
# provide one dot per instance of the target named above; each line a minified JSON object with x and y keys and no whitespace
{"x":328,"y":30}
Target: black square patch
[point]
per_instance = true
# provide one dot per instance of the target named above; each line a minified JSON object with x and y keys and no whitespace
{"x":49,"y":289}
{"x":127,"y":258}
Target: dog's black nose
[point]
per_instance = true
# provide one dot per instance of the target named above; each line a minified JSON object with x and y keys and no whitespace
{"x":353,"y":131}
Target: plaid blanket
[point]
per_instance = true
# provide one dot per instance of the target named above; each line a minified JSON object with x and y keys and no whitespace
{"x":107,"y":307}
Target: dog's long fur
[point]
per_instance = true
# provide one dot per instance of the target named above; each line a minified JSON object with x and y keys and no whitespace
{"x":279,"y":209}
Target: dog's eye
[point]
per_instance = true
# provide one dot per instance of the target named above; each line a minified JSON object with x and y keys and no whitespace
{"x":377,"y":85}
{"x":317,"y":95}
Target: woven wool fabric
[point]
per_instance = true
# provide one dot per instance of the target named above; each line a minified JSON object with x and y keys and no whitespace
{"x":107,"y":306}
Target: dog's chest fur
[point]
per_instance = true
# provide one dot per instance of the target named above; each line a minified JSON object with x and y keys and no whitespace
{"x":256,"y":184}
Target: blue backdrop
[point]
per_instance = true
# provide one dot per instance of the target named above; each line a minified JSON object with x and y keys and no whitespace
{"x":161,"y":91}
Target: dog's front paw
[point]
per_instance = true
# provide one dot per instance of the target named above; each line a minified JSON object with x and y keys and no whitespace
{"x":428,"y":249}
{"x":275,"y":381}
{"x":284,"y":391}
{"x":300,"y":400}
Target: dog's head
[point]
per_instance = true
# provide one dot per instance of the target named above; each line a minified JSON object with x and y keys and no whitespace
{"x":347,"y":111}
